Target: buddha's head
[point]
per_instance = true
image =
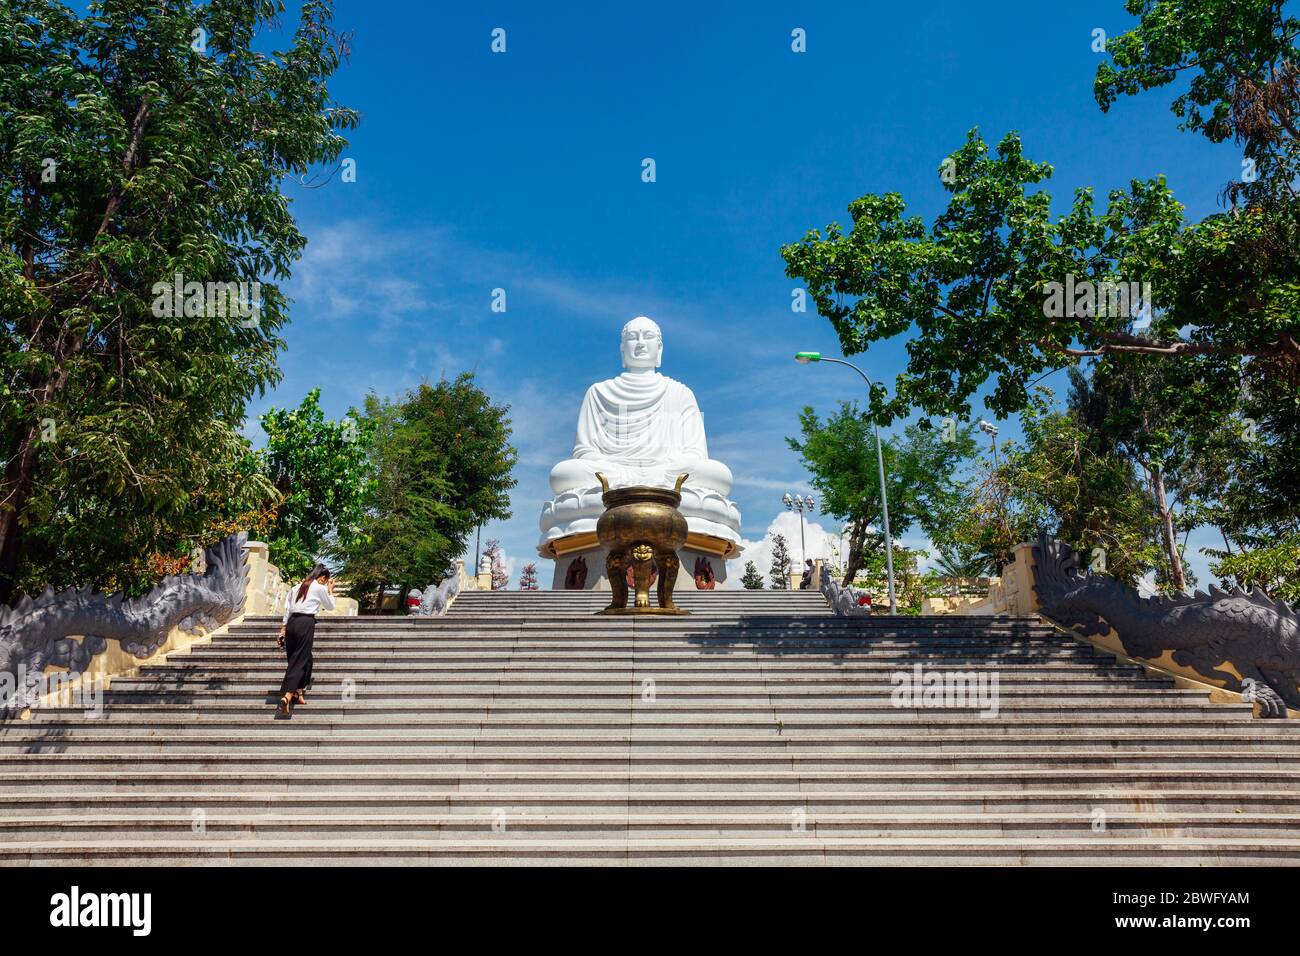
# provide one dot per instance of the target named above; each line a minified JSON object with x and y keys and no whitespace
{"x":642,"y":344}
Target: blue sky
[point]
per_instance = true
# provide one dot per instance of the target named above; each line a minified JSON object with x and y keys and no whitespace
{"x":522,"y":171}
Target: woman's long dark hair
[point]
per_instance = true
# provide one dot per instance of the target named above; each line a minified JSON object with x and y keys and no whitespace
{"x":318,"y":571}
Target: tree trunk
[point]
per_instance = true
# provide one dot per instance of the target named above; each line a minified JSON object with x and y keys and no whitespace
{"x":17,"y":486}
{"x":857,"y":537}
{"x":1167,"y":530}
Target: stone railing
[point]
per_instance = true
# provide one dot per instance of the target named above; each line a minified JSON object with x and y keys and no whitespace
{"x":88,"y":637}
{"x":1240,"y":645}
{"x":436,"y":598}
{"x":1012,"y":593}
{"x":843,"y":600}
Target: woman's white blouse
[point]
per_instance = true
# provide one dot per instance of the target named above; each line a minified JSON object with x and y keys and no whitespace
{"x":318,"y":599}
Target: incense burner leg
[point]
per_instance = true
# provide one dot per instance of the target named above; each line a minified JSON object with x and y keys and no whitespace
{"x":616,"y":570}
{"x":642,"y":556}
{"x":668,"y":564}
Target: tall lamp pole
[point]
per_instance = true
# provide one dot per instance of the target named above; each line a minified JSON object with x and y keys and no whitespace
{"x":795,"y":503}
{"x":805,"y":358}
{"x":991,"y":430}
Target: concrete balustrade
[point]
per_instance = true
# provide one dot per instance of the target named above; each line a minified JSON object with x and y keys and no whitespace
{"x":267,"y":594}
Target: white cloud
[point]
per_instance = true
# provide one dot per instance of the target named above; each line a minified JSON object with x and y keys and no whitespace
{"x":801,"y":486}
{"x":820,"y":542}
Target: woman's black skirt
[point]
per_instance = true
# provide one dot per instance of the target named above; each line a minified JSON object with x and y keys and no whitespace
{"x":298,"y":636}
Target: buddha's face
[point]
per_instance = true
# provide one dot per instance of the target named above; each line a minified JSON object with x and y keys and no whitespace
{"x":643,"y":344}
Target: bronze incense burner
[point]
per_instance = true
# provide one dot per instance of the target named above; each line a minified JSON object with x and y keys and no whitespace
{"x":641,"y":525}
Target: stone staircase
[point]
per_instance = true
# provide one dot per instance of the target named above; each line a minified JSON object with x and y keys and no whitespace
{"x":522,"y":729}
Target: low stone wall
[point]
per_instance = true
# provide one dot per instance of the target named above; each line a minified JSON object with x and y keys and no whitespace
{"x":266,"y":594}
{"x":964,"y":604}
{"x":1012,"y":593}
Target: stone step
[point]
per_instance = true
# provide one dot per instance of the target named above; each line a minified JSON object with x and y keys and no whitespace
{"x":173,"y":785}
{"x":688,"y":761}
{"x":737,"y":851}
{"x":666,"y":696}
{"x":169,"y":826}
{"x":687,"y":754}
{"x":875,"y":680}
{"x":1123,"y":704}
{"x":770,"y":736}
{"x":729,"y":616}
{"x":1081,"y":801}
{"x":882,"y":663}
{"x":699,"y":620}
{"x":1017,"y":698}
{"x":1065,"y":671}
{"x":330,"y":688}
{"x":442,"y":711}
{"x":720,"y":669}
{"x":576,"y":641}
{"x":125,"y":689}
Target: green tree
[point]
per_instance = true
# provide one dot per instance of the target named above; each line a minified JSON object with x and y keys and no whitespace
{"x":909,"y":583}
{"x":923,"y":476}
{"x":1243,"y":477}
{"x":130,"y":158}
{"x":321,"y":471}
{"x":980,"y":273}
{"x":985,"y":285}
{"x":1272,"y":567}
{"x":1128,"y":409}
{"x":779,"y":573}
{"x":1000,"y":292}
{"x":442,"y":462}
{"x":1059,"y":481}
{"x":1241,"y":59}
{"x":752,"y":580}
{"x":954,"y":567}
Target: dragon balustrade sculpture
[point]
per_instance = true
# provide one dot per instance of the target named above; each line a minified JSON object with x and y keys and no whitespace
{"x":1257,"y":636}
{"x":842,"y":599}
{"x":38,"y":632}
{"x":436,"y":598}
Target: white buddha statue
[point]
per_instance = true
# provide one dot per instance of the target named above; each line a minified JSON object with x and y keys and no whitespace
{"x":640,"y":428}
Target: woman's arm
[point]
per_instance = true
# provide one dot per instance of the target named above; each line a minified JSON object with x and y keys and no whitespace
{"x":325,"y":595}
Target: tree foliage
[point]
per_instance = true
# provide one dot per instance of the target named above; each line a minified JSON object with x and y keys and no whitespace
{"x":442,"y":462}
{"x":923,"y":477}
{"x":752,"y":579}
{"x":321,"y":472}
{"x":497,"y":562}
{"x":130,"y":157}
{"x":779,"y":572}
{"x":1200,"y":350}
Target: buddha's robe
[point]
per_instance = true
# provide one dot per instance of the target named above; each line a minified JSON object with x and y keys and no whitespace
{"x":641,"y":428}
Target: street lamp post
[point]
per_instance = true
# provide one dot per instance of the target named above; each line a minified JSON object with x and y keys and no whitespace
{"x":991,"y":430}
{"x":795,"y":503}
{"x":804,"y":358}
